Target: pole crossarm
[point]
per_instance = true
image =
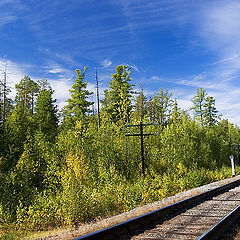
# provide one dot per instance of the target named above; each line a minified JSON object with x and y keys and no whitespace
{"x":138,"y":134}
{"x":145,"y":124}
{"x":141,"y":134}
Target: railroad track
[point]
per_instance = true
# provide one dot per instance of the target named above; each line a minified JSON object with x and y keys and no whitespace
{"x":204,"y":216}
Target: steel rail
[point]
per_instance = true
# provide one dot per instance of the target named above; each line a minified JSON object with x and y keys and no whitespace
{"x":219,"y":228}
{"x":127,"y":226}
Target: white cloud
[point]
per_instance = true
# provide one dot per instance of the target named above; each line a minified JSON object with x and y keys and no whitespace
{"x":106,"y":63}
{"x":5,"y":19}
{"x":59,"y":70}
{"x":56,"y":70}
{"x":225,"y":59}
{"x":218,"y":27}
{"x":132,"y":66}
{"x":184,"y":104}
{"x":14,"y":74}
{"x":9,"y":10}
{"x":222,"y":22}
{"x":61,"y":89}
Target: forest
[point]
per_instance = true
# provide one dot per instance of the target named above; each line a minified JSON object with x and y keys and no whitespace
{"x":64,"y":167}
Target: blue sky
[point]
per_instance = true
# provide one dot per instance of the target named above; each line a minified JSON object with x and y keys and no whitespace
{"x":179,"y":45}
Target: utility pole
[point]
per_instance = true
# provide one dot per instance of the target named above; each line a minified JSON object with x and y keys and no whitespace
{"x":142,"y":148}
{"x":98,"y":101}
{"x":141,"y":134}
{"x":142,"y":104}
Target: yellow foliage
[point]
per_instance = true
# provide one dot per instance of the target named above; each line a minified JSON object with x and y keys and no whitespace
{"x":76,"y":168}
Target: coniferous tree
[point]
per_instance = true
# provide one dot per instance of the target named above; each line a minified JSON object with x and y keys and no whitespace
{"x":176,"y":112}
{"x":26,"y":93}
{"x":78,"y":105}
{"x":160,"y":107}
{"x":44,"y":183}
{"x":6,"y":104}
{"x":140,"y":107}
{"x":117,"y":102}
{"x":199,"y":101}
{"x":210,"y":113}
{"x":19,"y":124}
{"x":45,"y":117}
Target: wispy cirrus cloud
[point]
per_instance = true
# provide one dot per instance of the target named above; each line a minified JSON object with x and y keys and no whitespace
{"x":109,"y":33}
{"x":122,"y":25}
{"x":106,"y":63}
{"x":154,"y":13}
{"x":9,"y":10}
{"x":217,"y":25}
{"x":59,"y":71}
{"x":55,"y":70}
{"x":219,"y":30}
{"x":132,"y":66}
{"x":225,"y":60}
{"x":5,"y":19}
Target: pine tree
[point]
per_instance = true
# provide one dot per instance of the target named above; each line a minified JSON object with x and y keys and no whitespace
{"x":117,"y":102}
{"x":78,"y":105}
{"x":26,"y":93}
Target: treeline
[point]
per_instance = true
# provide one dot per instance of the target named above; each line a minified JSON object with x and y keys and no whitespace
{"x":63,"y":168}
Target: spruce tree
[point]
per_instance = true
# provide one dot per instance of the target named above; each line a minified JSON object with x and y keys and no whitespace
{"x":78,"y":105}
{"x":45,"y":116}
{"x":117,"y":102}
{"x":210,"y":113}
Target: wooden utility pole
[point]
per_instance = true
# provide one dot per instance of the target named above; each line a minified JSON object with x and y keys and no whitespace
{"x":141,"y":134}
{"x":98,"y":101}
{"x":142,"y":148}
